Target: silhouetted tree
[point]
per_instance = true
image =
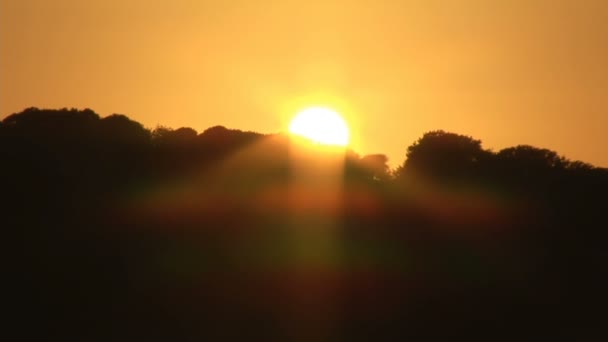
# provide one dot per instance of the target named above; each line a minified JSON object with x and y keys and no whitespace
{"x":528,"y":157}
{"x":167,"y":136}
{"x":377,"y":166}
{"x":444,"y":156}
{"x":123,"y":130}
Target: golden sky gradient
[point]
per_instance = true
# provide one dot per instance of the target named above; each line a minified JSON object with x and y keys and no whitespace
{"x":506,"y":72}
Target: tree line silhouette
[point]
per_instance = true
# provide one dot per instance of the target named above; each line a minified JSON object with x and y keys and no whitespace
{"x":114,"y":231}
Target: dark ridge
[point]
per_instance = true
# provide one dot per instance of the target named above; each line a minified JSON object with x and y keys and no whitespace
{"x":117,"y":232}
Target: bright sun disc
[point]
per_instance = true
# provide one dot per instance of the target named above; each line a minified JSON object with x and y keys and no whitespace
{"x":321,"y":125}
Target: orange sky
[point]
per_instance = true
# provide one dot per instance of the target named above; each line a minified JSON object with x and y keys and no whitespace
{"x":506,"y":72}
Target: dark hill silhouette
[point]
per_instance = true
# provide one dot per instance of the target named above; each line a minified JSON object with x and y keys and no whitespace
{"x":117,"y":232}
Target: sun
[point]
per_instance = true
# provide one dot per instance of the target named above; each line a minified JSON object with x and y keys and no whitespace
{"x":321,"y":125}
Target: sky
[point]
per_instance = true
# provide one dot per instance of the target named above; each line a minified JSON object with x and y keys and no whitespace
{"x":505,"y":72}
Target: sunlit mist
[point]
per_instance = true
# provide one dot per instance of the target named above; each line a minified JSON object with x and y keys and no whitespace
{"x":321,"y":125}
{"x":316,"y":191}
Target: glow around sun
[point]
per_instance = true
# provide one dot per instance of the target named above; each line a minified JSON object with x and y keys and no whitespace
{"x":321,"y":125}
